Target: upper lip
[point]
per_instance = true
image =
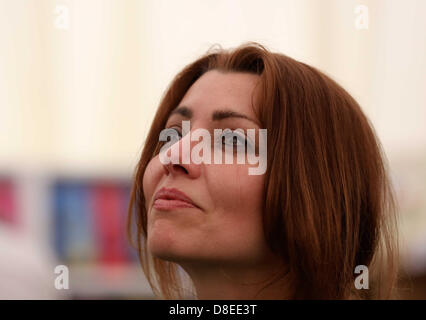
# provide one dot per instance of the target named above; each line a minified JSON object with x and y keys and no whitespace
{"x":173,"y":194}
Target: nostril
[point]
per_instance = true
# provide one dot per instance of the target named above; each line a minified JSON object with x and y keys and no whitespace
{"x":178,"y":167}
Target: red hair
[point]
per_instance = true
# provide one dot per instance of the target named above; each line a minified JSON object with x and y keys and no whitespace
{"x":328,"y":203}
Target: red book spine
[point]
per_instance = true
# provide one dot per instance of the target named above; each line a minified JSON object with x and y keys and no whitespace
{"x":107,"y":206}
{"x":8,"y":206}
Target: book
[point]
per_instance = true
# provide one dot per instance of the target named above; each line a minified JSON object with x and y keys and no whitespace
{"x":8,"y":203}
{"x":74,"y":239}
{"x":108,"y":206}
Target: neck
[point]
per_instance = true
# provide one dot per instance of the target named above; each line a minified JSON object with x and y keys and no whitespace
{"x":238,"y":283}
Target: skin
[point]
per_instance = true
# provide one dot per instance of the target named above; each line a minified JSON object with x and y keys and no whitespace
{"x":220,"y":244}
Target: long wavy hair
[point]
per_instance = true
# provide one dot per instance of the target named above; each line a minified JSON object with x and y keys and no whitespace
{"x":328,"y":201}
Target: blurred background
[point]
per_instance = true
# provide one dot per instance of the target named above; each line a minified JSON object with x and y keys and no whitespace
{"x":80,"y":81}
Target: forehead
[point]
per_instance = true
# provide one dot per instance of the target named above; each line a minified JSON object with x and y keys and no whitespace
{"x":216,"y":90}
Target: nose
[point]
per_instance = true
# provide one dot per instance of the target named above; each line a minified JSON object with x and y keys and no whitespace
{"x":180,"y":156}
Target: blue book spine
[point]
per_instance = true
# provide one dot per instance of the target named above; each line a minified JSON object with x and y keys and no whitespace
{"x":74,"y":223}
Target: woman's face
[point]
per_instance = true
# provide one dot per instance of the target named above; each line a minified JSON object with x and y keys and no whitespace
{"x":224,"y":222}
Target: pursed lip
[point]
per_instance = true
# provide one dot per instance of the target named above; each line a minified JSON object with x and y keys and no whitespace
{"x":172,"y":198}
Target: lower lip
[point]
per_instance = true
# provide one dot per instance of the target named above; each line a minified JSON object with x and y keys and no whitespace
{"x":164,"y":204}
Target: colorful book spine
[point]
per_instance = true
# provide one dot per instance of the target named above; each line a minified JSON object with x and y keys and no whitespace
{"x":8,"y":203}
{"x":73,"y":223}
{"x":91,"y":222}
{"x":107,"y":205}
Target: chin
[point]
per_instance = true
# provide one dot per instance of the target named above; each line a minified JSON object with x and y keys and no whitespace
{"x":162,"y":245}
{"x":161,"y":251}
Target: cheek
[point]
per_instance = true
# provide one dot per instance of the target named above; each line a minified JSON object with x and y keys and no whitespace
{"x":234,"y":190}
{"x":238,"y":201}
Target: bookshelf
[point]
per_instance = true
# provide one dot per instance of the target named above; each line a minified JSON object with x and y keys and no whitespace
{"x":80,"y":221}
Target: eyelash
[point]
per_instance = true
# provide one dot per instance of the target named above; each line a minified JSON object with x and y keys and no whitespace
{"x":235,"y":138}
{"x":177,"y":129}
{"x":223,"y":137}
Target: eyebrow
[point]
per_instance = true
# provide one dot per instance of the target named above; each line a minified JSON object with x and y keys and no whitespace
{"x":183,"y":111}
{"x":217,"y":115}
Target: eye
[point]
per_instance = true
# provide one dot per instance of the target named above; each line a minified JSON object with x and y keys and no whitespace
{"x":170,"y":135}
{"x":174,"y":133}
{"x":233,"y":139}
